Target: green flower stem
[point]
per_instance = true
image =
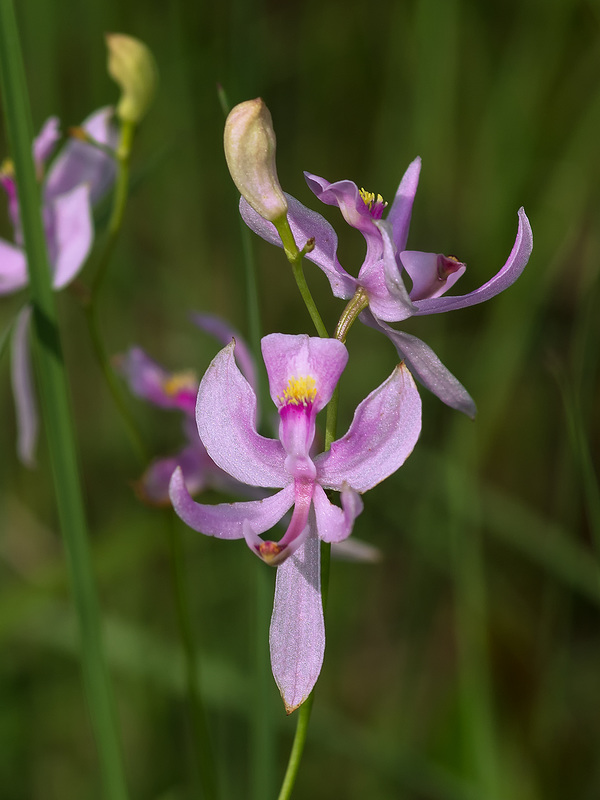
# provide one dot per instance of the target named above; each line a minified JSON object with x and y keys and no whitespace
{"x":57,"y":412}
{"x":204,"y":750}
{"x":295,"y":256}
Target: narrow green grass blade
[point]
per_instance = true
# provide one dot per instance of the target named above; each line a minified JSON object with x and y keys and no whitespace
{"x":56,"y":410}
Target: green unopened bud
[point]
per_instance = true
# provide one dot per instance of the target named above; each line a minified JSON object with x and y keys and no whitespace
{"x":132,"y":66}
{"x":250,"y":152}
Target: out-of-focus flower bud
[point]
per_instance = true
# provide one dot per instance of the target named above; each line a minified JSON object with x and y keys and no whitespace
{"x":250,"y":152}
{"x":132,"y":66}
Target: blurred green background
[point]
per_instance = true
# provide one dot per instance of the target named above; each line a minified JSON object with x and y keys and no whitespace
{"x":465,"y":665}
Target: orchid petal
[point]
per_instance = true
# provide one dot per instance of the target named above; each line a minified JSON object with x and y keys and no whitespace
{"x":226,"y":418}
{"x":153,"y":486}
{"x":347,"y":197}
{"x":226,"y":520}
{"x":509,"y":273}
{"x":306,"y":224}
{"x":388,"y":298}
{"x":224,"y":333}
{"x":80,"y":162}
{"x":24,"y":394}
{"x":71,"y":234}
{"x":13,"y":268}
{"x":303,"y":356}
{"x":355,"y":550}
{"x":334,"y":524}
{"x":428,"y":280}
{"x":148,"y":380}
{"x":426,"y":366}
{"x":382,"y":435}
{"x":401,"y":210}
{"x":297,"y":633}
{"x":45,"y":141}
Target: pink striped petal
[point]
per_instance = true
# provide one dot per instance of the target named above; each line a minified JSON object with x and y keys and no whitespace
{"x":226,"y":520}
{"x":297,"y":634}
{"x":382,"y":435}
{"x":509,"y":273}
{"x":13,"y":268}
{"x":334,"y":524}
{"x":71,"y":234}
{"x":401,"y":210}
{"x":226,"y":418}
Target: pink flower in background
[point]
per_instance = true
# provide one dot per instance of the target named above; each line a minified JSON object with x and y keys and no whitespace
{"x":303,"y":373}
{"x":178,"y":391}
{"x":381,"y":274}
{"x":77,"y":178}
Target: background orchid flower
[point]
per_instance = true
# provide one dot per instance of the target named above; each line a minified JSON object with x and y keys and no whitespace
{"x":178,"y":390}
{"x":303,"y":373}
{"x":380,"y":277}
{"x":78,"y":178}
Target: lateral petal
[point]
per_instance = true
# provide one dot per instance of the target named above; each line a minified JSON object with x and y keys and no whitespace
{"x":401,"y":210}
{"x":514,"y":266}
{"x":13,"y":268}
{"x":71,"y":234}
{"x":297,"y":633}
{"x":79,"y":162}
{"x":334,"y":524}
{"x":382,"y":435}
{"x":226,"y":418}
{"x":306,"y":224}
{"x":426,"y":366}
{"x":226,"y":520}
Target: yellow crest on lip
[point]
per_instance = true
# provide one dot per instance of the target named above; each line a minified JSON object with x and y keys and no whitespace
{"x":370,"y":199}
{"x":180,"y":381}
{"x":300,"y":391}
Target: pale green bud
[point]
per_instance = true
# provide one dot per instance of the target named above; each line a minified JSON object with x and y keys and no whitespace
{"x":250,"y":144}
{"x":132,"y":66}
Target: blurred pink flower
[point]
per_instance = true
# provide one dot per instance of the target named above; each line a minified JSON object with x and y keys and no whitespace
{"x":78,"y":177}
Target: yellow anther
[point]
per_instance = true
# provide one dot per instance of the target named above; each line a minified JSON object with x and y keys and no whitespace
{"x":300,"y":391}
{"x":180,"y":381}
{"x":370,"y":199}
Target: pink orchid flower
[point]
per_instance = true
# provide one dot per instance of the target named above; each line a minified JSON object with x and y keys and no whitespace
{"x":303,"y":373}
{"x":77,"y":178}
{"x":177,"y":391}
{"x":381,"y":276}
